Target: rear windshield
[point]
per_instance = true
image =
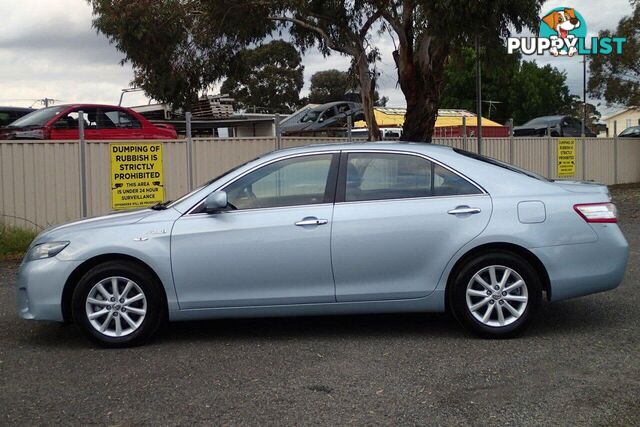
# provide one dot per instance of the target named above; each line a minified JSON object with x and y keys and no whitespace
{"x":38,"y":117}
{"x":541,"y":121}
{"x":500,"y":164}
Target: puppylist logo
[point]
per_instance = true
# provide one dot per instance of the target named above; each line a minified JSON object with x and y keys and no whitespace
{"x":563,"y":32}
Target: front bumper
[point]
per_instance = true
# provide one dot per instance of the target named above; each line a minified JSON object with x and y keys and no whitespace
{"x":583,"y":269}
{"x":40,"y":286}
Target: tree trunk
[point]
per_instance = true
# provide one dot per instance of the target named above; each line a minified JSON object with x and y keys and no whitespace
{"x":421,"y":77}
{"x":367,"y":89}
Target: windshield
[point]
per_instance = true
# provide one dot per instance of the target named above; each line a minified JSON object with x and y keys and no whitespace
{"x":311,"y":116}
{"x":635,"y":130}
{"x":498,"y":163}
{"x":39,"y":117}
{"x":538,"y":121}
{"x":211,"y":181}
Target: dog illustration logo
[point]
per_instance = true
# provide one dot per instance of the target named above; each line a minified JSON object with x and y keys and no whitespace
{"x":563,"y":32}
{"x":563,"y":25}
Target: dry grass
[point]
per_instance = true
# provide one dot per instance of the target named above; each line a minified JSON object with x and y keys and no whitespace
{"x":14,"y":241}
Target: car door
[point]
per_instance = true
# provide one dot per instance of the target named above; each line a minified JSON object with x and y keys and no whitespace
{"x":271,"y":248}
{"x":398,"y":220}
{"x":326,"y":119}
{"x":115,"y":123}
{"x":66,"y":126}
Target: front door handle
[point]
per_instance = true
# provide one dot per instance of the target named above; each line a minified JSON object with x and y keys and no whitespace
{"x":311,"y":221}
{"x":464,"y":210}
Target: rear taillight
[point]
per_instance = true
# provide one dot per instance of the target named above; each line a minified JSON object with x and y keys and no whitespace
{"x":597,"y":212}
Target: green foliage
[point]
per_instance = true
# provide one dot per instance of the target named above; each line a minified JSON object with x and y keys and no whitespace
{"x":575,"y":109}
{"x":616,"y":78}
{"x":179,"y":48}
{"x":14,"y":241}
{"x":332,"y":85}
{"x":267,"y":78}
{"x":329,"y":86}
{"x":523,"y":89}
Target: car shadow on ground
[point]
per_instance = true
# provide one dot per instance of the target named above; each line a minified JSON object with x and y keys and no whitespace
{"x":559,"y":319}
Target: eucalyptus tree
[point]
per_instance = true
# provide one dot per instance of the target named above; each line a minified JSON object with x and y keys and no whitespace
{"x":267,"y":78}
{"x":180,"y":47}
{"x":344,"y":27}
{"x":428,"y":31}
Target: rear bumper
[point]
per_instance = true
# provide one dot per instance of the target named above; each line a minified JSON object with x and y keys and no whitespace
{"x":40,"y":286}
{"x":583,"y":269}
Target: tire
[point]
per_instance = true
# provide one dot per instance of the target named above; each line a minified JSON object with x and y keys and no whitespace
{"x":121,"y":320}
{"x":511,"y":307}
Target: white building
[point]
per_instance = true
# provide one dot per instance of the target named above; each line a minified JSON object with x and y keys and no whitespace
{"x":622,"y":119}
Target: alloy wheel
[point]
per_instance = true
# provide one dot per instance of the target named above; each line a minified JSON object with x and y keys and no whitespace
{"x":116,"y":306}
{"x":497,"y":296}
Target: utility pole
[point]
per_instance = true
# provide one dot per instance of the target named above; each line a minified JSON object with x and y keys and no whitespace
{"x":46,"y":101}
{"x":478,"y":96}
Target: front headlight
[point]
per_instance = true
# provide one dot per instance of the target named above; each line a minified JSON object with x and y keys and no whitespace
{"x":46,"y":250}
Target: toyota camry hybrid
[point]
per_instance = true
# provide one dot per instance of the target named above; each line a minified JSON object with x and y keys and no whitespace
{"x":333,"y":229}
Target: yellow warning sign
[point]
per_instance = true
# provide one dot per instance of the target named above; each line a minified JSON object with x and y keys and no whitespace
{"x":136,"y":175}
{"x":566,"y":157}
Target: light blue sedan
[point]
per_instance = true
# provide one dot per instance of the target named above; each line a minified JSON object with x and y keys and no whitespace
{"x":333,"y":229}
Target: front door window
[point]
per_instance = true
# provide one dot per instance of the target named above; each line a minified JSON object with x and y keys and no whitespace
{"x":291,"y":182}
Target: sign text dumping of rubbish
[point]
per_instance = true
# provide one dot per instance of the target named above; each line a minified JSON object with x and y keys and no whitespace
{"x":566,"y":157}
{"x":136,"y":175}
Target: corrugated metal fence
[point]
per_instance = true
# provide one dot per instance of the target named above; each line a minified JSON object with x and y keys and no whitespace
{"x":40,"y":180}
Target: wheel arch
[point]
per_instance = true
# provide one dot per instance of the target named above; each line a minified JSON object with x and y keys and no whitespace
{"x":74,"y":278}
{"x":529,"y":256}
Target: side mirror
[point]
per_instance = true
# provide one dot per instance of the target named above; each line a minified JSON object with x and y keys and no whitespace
{"x":216,"y":202}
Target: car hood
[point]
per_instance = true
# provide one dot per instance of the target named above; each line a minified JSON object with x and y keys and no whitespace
{"x":296,"y":127}
{"x":121,"y":218}
{"x":27,"y":132}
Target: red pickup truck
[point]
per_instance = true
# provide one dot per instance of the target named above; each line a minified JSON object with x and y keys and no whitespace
{"x":100,"y":122}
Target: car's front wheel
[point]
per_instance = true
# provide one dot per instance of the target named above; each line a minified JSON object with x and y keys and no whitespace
{"x":496,"y":294}
{"x":118,"y":304}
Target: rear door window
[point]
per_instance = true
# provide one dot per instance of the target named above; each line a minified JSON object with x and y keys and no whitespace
{"x":117,"y":119}
{"x":384,"y":176}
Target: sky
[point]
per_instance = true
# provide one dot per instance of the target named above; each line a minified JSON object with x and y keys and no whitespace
{"x":48,"y":48}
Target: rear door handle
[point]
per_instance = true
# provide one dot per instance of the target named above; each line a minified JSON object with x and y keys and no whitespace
{"x":464,"y":210}
{"x":311,"y":221}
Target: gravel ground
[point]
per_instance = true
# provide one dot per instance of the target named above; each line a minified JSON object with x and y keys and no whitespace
{"x":577,"y":364}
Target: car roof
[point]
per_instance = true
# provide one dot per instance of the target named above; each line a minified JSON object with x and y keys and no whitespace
{"x":418,"y":147}
{"x":79,"y":104}
{"x":549,"y":118}
{"x":323,"y":107}
{"x":21,"y":109}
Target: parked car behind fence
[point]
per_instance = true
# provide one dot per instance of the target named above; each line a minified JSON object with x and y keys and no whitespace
{"x":557,"y":126}
{"x":632,"y":132}
{"x":10,"y":114}
{"x":100,"y":122}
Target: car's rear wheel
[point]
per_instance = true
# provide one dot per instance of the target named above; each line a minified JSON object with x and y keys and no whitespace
{"x":496,"y":294}
{"x":118,"y":304}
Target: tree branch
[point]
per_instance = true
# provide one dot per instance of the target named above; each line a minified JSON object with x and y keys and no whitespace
{"x":368,"y":23}
{"x":327,"y":39}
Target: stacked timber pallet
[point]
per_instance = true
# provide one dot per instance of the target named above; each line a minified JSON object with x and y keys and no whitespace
{"x":213,"y":106}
